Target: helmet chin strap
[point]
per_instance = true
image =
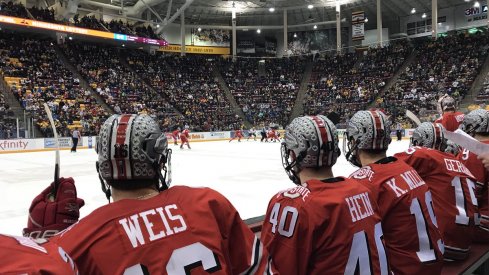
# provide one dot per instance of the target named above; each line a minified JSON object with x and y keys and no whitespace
{"x":105,"y":186}
{"x":352,"y":158}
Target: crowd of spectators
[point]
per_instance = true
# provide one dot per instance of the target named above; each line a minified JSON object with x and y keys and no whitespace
{"x":116,"y":26}
{"x":7,"y":120}
{"x":43,"y":14}
{"x":120,"y":87}
{"x":347,"y":83}
{"x":13,"y":9}
{"x":448,"y":65}
{"x":265,"y":90}
{"x":40,"y":77}
{"x":91,"y":22}
{"x":189,"y":85}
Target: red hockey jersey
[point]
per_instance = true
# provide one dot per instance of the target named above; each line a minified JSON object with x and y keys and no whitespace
{"x":185,"y":134}
{"x":482,"y":176}
{"x":450,"y":120}
{"x":453,"y":189}
{"x":182,"y":230}
{"x":325,"y":227}
{"x":413,"y":243}
{"x":21,"y":255}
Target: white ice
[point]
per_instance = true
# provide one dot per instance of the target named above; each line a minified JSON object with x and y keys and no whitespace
{"x":248,"y":173}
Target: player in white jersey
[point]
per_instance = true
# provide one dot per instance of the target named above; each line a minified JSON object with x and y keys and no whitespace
{"x":252,"y":132}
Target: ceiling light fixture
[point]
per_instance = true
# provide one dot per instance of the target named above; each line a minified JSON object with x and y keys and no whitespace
{"x":315,"y":26}
{"x":157,"y":25}
{"x":199,"y":29}
{"x":413,"y":11}
{"x":477,"y":4}
{"x":424,"y":15}
{"x":272,"y":9}
{"x":366,"y":20}
{"x":295,"y":35}
{"x":258,"y":31}
{"x":310,"y":7}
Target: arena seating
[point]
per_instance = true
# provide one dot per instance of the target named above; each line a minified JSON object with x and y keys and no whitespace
{"x":117,"y":26}
{"x":446,"y":66}
{"x":348,"y":83}
{"x":13,"y":9}
{"x":267,"y":97}
{"x":187,"y":83}
{"x":115,"y":83}
{"x":35,"y":75}
{"x":8,"y":128}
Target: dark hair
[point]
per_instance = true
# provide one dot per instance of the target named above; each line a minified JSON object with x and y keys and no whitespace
{"x":133,"y":184}
{"x":375,"y":151}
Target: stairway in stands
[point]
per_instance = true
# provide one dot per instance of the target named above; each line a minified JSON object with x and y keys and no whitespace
{"x":124,"y":62}
{"x":224,"y":87}
{"x":476,"y":87}
{"x":395,"y":77}
{"x":16,"y":108}
{"x":83,"y":82}
{"x":298,"y":109}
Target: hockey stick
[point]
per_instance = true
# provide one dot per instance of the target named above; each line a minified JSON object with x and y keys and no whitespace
{"x":413,"y":117}
{"x":56,"y":142}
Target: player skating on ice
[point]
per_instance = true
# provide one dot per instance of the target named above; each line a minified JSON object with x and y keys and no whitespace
{"x":326,"y":224}
{"x":413,"y":241}
{"x":452,"y":188}
{"x":252,"y":132}
{"x":175,"y":134}
{"x":237,"y":135}
{"x":151,"y":228}
{"x":21,"y":255}
{"x":184,"y":137}
{"x":272,"y":135}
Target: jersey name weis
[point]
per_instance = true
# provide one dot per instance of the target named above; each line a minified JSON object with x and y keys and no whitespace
{"x":153,"y":224}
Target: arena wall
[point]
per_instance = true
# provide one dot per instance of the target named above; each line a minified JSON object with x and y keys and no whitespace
{"x":48,"y":144}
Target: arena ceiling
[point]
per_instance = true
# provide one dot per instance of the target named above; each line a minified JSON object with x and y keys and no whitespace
{"x":257,"y":12}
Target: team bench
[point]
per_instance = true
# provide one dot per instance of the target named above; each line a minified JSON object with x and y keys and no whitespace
{"x":476,"y":263}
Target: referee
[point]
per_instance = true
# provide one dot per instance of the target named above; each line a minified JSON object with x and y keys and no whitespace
{"x":75,"y":135}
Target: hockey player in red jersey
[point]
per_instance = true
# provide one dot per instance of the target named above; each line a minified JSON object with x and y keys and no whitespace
{"x":184,"y":137}
{"x":151,"y":228}
{"x":476,"y":123}
{"x":452,"y":186}
{"x":175,"y":134}
{"x":413,"y":242}
{"x":21,"y":255}
{"x":450,"y":118}
{"x":326,"y":224}
{"x":237,"y":135}
{"x":272,"y":135}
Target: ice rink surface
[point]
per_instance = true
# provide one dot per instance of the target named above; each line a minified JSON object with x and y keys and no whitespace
{"x":247,"y":173}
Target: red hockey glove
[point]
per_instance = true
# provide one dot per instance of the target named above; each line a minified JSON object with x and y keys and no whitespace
{"x":48,"y":216}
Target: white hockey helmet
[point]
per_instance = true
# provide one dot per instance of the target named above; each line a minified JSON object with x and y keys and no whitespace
{"x":476,"y":121}
{"x":310,"y":142}
{"x":367,"y":130}
{"x":429,"y":135}
{"x":132,"y":149}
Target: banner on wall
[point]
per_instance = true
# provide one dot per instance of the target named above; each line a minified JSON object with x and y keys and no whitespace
{"x":211,"y":38}
{"x":64,"y":142}
{"x":476,"y":13}
{"x":196,"y":49}
{"x":358,"y":25}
